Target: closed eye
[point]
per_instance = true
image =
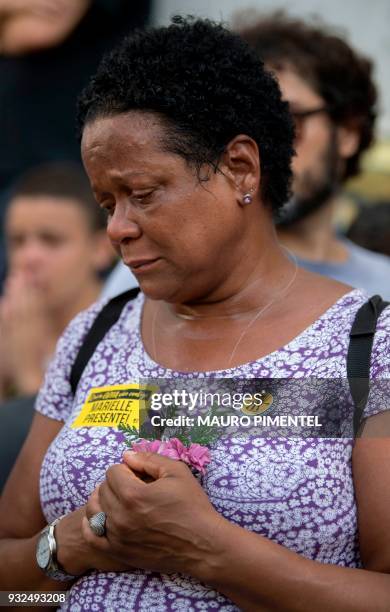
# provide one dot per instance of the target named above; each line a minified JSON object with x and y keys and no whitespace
{"x":145,"y":196}
{"x":142,"y":197}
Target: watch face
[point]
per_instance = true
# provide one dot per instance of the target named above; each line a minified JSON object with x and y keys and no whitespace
{"x":43,"y":551}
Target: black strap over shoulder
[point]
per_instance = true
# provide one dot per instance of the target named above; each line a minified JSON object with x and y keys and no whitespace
{"x":359,"y":354}
{"x":106,"y":318}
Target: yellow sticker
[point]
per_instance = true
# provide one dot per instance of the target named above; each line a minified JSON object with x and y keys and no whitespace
{"x":114,"y":405}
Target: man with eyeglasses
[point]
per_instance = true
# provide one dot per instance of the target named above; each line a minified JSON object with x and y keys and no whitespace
{"x":332,"y":98}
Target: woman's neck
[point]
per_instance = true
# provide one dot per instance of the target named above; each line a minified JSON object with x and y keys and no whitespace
{"x":253,"y":285}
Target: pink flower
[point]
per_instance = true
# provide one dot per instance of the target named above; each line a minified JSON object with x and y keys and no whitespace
{"x":148,"y":446}
{"x":176,"y":450}
{"x":198,"y":457}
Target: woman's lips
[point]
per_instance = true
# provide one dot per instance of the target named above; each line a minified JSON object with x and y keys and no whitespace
{"x":141,"y":265}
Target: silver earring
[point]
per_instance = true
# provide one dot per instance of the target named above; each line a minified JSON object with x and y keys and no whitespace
{"x":247,"y":199}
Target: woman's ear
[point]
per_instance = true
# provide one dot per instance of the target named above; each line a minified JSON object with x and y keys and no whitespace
{"x":241,"y":164}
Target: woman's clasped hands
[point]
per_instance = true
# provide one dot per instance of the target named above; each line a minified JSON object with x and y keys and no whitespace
{"x":166,"y":525}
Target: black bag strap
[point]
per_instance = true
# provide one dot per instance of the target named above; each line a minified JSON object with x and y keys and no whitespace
{"x":359,"y":354}
{"x":106,"y":318}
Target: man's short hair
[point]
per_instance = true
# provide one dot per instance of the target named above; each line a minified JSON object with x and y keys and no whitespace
{"x":62,"y":180}
{"x":340,"y":75}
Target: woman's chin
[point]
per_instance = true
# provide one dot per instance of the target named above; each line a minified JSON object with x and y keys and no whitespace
{"x":155,"y":290}
{"x":171,"y":292}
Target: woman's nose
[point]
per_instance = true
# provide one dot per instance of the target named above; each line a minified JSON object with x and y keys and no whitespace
{"x":122,"y":225}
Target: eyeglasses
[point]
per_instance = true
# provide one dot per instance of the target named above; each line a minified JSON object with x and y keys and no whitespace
{"x":300,"y":117}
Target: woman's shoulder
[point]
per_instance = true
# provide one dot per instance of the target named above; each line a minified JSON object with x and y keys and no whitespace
{"x":380,"y":352}
{"x":340,"y":319}
{"x":338,"y":322}
{"x":56,"y":396}
{"x":334,"y":323}
{"x":79,"y":327}
{"x":321,"y":348}
{"x":340,"y":316}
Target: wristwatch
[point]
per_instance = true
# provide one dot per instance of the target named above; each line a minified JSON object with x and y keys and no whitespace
{"x":46,"y":554}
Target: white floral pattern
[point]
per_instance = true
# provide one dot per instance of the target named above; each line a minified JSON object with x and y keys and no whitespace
{"x":296,"y":492}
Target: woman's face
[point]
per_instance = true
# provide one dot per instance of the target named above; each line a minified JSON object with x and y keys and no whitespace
{"x":178,"y":235}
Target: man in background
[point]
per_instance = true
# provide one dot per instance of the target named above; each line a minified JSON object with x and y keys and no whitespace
{"x":332,"y":99}
{"x":57,"y":248}
{"x":48,"y":50}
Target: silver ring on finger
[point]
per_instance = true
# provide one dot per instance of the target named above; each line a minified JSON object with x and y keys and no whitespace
{"x":97,"y":523}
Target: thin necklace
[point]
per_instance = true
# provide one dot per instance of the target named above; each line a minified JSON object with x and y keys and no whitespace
{"x":258,"y":313}
{"x":263,"y":309}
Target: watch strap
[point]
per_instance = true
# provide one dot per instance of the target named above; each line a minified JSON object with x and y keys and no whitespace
{"x":53,"y":569}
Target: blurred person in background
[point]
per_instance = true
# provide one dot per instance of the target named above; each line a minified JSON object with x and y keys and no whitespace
{"x":48,"y":50}
{"x":56,"y":246}
{"x":332,"y":98}
{"x":371,"y":228}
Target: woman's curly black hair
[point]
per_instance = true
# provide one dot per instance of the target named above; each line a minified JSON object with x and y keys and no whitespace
{"x":208,"y":86}
{"x":340,"y":75}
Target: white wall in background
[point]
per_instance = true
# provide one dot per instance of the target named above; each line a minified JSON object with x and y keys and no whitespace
{"x":365,"y":23}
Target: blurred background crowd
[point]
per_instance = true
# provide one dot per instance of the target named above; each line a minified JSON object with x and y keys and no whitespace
{"x":55,"y":259}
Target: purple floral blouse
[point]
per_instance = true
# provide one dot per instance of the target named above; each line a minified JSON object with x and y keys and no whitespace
{"x":296,"y":492}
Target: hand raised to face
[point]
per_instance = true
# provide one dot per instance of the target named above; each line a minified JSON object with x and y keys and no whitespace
{"x":26,"y":335}
{"x":166,"y":525}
